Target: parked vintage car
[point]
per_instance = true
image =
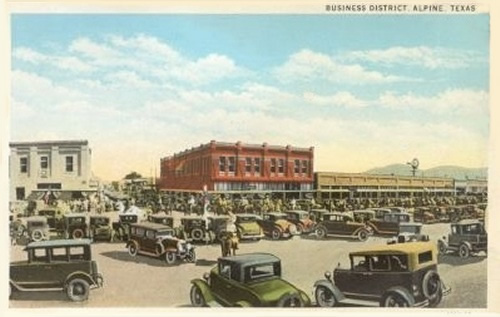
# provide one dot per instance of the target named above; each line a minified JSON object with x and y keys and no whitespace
{"x":301,"y":220}
{"x":409,"y":232}
{"x":247,"y":280}
{"x":194,"y":228}
{"x":100,"y":228}
{"x":467,"y":237}
{"x":219,"y":226}
{"x":380,"y":212}
{"x":276,"y":226}
{"x":162,"y":218}
{"x":35,"y":228}
{"x":392,"y":275}
{"x":247,"y":227}
{"x":342,"y":225}
{"x":388,"y":224}
{"x":121,"y":228}
{"x":159,"y":241}
{"x":74,"y":226}
{"x":57,"y":265}
{"x":424,"y":215}
{"x":54,"y":218}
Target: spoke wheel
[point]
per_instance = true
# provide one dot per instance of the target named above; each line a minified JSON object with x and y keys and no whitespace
{"x":324,"y":297}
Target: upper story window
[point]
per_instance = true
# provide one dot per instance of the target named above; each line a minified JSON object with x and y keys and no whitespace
{"x":232,"y":164}
{"x":248,"y":165}
{"x":256,"y":165}
{"x":23,"y":163}
{"x":44,"y":162}
{"x":273,"y":165}
{"x":281,"y":166}
{"x":222,"y":164}
{"x":69,"y":164}
{"x":297,"y":167}
{"x":304,"y":167}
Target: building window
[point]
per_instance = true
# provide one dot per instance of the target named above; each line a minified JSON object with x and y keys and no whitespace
{"x":222,"y":164}
{"x":304,"y":167}
{"x":248,"y":165}
{"x":297,"y":167}
{"x":231,"y":165}
{"x":273,"y":165}
{"x":44,"y":162}
{"x":256,"y":166}
{"x":281,"y":166}
{"x":23,"y":162}
{"x":69,"y":163}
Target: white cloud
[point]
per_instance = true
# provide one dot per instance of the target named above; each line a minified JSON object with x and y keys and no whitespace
{"x":70,"y":63}
{"x":428,"y":57}
{"x":459,"y":101}
{"x":307,"y":66}
{"x":342,"y":98}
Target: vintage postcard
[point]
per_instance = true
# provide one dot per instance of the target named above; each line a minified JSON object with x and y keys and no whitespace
{"x":298,"y":158}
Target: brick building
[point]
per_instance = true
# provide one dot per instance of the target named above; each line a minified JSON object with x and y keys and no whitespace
{"x":237,"y":166}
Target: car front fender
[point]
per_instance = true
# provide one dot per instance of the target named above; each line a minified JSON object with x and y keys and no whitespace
{"x":332,"y":287}
{"x":205,"y":290}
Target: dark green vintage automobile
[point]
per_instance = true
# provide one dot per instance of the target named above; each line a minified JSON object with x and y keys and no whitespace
{"x":247,"y":280}
{"x":57,"y":265}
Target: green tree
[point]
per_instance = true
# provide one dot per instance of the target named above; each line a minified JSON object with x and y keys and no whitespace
{"x":133,"y":175}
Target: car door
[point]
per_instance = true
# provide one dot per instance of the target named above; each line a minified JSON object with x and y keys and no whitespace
{"x":355,"y":282}
{"x":149,"y":241}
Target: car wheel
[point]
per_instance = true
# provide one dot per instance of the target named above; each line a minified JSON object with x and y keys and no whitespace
{"x":77,"y":290}
{"x":275,"y":234}
{"x":320,"y":232}
{"x":77,"y":234}
{"x":464,"y":251}
{"x":362,"y":235}
{"x":170,"y":257}
{"x":395,"y":300}
{"x":197,"y":234}
{"x":133,"y":249}
{"x":37,"y":235}
{"x":432,"y":288}
{"x":191,"y":256}
{"x":299,"y":229}
{"x":290,"y":300}
{"x":196,"y":296}
{"x":324,"y":297}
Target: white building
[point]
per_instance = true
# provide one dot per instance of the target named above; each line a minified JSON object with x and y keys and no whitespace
{"x":49,"y":165}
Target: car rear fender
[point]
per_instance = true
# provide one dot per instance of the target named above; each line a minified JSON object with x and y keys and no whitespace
{"x":242,"y":303}
{"x":329,"y":285}
{"x":365,"y":228}
{"x":205,"y":290}
{"x":82,"y":275}
{"x":402,"y":292}
{"x":467,"y":243}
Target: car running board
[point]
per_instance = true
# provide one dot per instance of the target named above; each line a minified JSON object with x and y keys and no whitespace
{"x":359,"y":302}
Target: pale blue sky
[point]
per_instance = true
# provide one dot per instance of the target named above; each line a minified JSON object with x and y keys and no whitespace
{"x":364,"y":90}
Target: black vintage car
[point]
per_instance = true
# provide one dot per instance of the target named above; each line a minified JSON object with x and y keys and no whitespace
{"x":74,"y":226}
{"x":162,"y":218}
{"x":388,"y":224}
{"x":100,"y":228}
{"x":466,"y":237}
{"x":392,"y":275}
{"x":342,"y":225}
{"x":121,"y":228}
{"x":194,"y":228}
{"x":57,"y":265}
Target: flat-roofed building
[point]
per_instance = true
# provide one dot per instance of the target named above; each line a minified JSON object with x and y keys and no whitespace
{"x":223,"y":166}
{"x":362,"y":185}
{"x":54,"y":166}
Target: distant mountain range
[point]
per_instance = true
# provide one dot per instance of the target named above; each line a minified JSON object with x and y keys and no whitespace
{"x":456,"y":172}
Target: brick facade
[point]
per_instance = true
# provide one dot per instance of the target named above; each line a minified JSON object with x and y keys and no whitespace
{"x":238,"y":166}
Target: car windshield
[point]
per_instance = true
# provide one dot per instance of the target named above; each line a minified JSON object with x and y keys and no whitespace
{"x":277,"y":217}
{"x":473,"y":229}
{"x":76,"y":220}
{"x":164,"y":233}
{"x":100,"y":221}
{"x":262,"y":271}
{"x":292,"y":216}
{"x":128,"y":218}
